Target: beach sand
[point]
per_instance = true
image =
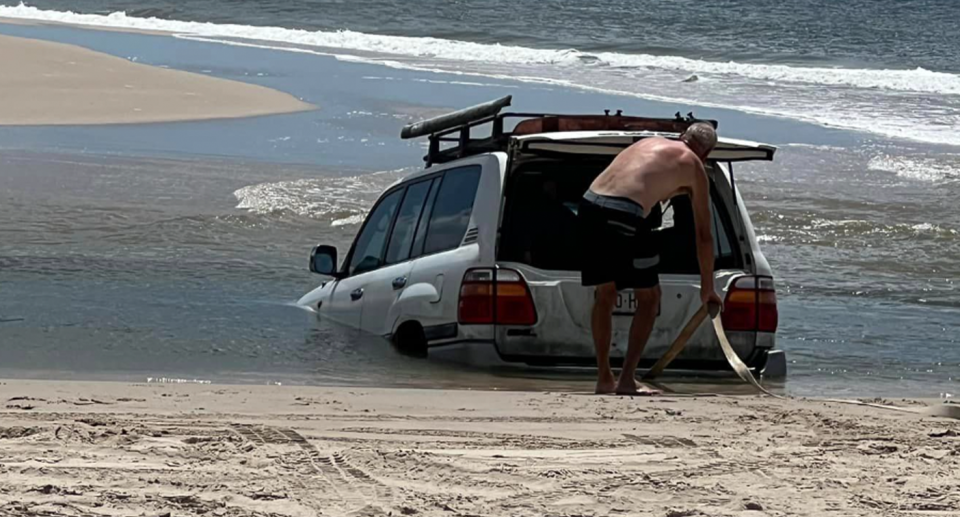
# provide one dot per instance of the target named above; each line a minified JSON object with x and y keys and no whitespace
{"x":47,"y":83}
{"x":86,"y":448}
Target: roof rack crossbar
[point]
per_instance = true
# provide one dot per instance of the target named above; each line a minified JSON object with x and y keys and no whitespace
{"x":455,"y":119}
{"x":498,"y":119}
{"x":456,"y":128}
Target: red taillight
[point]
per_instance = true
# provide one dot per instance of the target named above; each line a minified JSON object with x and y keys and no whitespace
{"x":502,"y":299}
{"x":769,"y":318}
{"x":476,"y":297}
{"x":751,"y":305}
{"x":514,"y":303}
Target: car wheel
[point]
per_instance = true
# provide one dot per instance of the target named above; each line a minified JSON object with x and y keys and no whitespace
{"x":410,"y":340}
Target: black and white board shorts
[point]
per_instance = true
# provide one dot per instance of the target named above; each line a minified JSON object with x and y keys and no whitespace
{"x":618,"y":242}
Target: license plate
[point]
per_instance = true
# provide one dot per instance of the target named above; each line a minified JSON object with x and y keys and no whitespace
{"x":627,"y":304}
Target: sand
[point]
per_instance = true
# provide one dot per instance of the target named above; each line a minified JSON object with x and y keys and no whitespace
{"x":47,"y":83}
{"x":83,"y":448}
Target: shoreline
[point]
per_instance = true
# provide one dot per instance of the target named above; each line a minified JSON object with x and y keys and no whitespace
{"x":52,"y":23}
{"x":138,"y":448}
{"x":55,"y":84}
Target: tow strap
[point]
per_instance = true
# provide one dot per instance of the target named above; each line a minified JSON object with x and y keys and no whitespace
{"x":734,"y":360}
{"x":945,"y":410}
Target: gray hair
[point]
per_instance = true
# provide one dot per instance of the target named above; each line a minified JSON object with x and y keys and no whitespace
{"x":701,"y":137}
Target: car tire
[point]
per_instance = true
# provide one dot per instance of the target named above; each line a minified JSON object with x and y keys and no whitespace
{"x":410,"y":340}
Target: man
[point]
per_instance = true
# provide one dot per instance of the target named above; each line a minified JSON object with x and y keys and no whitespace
{"x":619,"y":250}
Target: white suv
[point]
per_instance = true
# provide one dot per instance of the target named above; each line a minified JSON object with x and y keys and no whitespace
{"x":475,"y":258}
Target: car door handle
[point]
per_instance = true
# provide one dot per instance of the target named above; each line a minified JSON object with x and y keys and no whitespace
{"x":356,"y":294}
{"x":399,"y":282}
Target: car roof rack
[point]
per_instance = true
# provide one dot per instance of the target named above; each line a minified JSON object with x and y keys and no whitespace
{"x":456,"y":128}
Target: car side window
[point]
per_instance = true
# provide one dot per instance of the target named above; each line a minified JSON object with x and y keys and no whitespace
{"x":722,"y":248}
{"x":401,"y":240}
{"x":421,"y":234}
{"x":368,"y":250}
{"x":452,"y":209}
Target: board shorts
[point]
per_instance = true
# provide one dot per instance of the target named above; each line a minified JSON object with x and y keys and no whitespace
{"x":618,"y":243}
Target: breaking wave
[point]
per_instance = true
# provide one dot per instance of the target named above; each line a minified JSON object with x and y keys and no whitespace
{"x":342,"y":201}
{"x":915,"y":80}
{"x":915,"y":104}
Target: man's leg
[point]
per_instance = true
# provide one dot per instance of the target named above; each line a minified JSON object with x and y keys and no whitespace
{"x":648,"y":304}
{"x":601,"y":323}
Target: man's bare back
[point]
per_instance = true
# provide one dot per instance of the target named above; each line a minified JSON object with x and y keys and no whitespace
{"x":650,"y":171}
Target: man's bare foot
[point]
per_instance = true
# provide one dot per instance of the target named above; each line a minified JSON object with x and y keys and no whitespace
{"x":630,"y":388}
{"x":606,"y":384}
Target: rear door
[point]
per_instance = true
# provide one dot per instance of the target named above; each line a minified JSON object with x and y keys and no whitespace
{"x":457,"y":231}
{"x":384,"y":286}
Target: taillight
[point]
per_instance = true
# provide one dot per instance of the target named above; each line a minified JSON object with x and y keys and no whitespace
{"x":499,"y":297}
{"x":514,"y":303}
{"x":476,"y":297}
{"x":751,"y":305}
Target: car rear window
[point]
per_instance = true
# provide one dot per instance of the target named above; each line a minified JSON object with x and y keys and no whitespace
{"x":452,"y":209}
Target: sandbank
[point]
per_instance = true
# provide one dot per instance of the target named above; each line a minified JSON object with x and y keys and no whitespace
{"x":48,"y":83}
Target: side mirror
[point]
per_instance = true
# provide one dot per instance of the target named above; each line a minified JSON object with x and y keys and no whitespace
{"x":323,"y":261}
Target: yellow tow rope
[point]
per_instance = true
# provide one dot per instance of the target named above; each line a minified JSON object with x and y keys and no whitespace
{"x":944,"y":410}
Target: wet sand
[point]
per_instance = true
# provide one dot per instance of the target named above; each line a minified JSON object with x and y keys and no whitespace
{"x":84,"y":448}
{"x":47,"y":83}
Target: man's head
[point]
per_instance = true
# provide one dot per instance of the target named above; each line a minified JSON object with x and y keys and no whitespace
{"x":701,"y":138}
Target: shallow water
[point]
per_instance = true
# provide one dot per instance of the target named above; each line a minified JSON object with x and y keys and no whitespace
{"x":176,"y":250}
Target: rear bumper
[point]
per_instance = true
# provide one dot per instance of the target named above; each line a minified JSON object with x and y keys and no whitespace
{"x":771,"y":364}
{"x":563,"y":344}
{"x":474,"y":346}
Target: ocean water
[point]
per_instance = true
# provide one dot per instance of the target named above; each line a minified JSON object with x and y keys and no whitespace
{"x":886,"y":67}
{"x":176,"y":250}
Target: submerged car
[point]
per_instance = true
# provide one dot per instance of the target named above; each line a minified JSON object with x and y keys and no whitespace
{"x":475,"y":258}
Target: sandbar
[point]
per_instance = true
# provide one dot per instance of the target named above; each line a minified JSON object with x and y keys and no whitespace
{"x":49,"y":83}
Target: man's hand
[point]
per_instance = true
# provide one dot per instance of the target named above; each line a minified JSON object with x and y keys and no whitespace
{"x":712,"y":301}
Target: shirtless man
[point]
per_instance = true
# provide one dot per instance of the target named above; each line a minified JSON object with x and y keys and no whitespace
{"x":620,"y":252}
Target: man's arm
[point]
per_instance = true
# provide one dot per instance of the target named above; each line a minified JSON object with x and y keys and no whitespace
{"x":701,"y":217}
